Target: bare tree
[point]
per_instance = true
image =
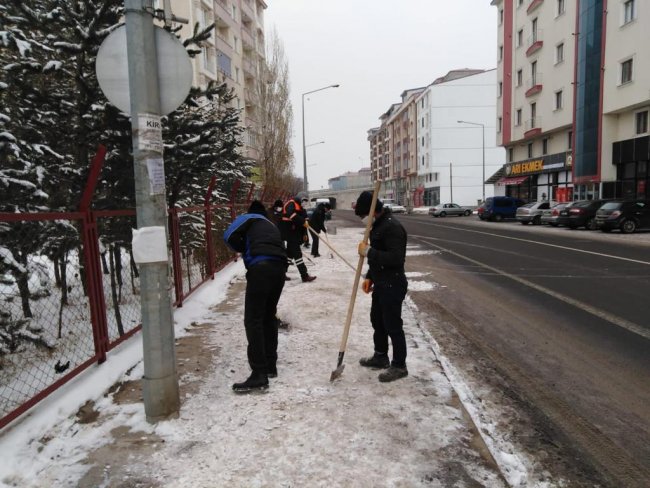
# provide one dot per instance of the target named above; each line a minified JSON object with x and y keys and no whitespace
{"x":275,"y":117}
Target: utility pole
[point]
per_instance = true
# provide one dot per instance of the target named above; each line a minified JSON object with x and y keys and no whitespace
{"x":160,"y":382}
{"x":451,"y":186}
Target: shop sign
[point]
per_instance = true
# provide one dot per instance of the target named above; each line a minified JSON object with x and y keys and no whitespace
{"x":550,"y":163}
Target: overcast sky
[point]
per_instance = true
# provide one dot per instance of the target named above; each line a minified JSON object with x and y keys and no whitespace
{"x":374,"y":49}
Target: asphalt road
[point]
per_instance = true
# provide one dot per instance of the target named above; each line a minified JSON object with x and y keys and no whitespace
{"x":563,"y":315}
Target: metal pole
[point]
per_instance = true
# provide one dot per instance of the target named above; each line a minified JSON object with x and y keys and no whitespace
{"x":451,"y":186}
{"x":160,"y":381}
{"x":305,"y":185}
{"x":483,"y":183}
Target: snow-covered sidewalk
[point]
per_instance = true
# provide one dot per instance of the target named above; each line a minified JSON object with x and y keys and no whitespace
{"x":304,"y":431}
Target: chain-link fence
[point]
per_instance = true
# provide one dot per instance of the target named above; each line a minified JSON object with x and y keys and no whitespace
{"x":70,"y":289}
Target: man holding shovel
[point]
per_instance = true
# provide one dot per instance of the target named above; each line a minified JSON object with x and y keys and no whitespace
{"x":387,"y":282}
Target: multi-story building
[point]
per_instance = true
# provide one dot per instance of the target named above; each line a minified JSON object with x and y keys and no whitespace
{"x":350,"y":180}
{"x":420,"y":137}
{"x":233,"y":53}
{"x":573,"y":98}
{"x":456,"y":138}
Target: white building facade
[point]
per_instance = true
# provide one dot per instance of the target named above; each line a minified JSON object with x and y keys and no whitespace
{"x":456,"y":138}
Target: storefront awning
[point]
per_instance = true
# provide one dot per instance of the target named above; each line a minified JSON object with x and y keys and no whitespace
{"x":518,"y":180}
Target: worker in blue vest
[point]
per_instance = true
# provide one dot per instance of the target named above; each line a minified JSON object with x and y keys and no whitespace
{"x":265,"y":257}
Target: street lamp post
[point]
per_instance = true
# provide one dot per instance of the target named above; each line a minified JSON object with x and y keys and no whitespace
{"x":305,"y":184}
{"x":483,"y":137}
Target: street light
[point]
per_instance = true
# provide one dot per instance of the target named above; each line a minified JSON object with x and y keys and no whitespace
{"x":315,"y":143}
{"x":305,"y":184}
{"x":483,"y":130}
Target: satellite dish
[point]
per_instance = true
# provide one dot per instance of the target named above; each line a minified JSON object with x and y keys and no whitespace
{"x":174,"y":70}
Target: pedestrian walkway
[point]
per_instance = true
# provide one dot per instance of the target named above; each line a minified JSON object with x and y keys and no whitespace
{"x":303,"y":431}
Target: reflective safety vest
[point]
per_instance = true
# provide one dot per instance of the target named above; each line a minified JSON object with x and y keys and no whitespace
{"x":297,"y":208}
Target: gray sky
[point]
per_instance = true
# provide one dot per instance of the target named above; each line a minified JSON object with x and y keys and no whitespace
{"x":374,"y":49}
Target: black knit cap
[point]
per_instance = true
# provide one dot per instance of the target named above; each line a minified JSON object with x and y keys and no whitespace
{"x":362,"y":207}
{"x":257,"y":207}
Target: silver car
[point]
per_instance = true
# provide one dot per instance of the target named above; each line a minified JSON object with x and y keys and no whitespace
{"x":532,"y":212}
{"x":550,"y":216}
{"x":445,"y":209}
{"x":395,"y":208}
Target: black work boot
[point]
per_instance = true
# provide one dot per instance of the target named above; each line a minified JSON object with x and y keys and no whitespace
{"x":272,"y":371}
{"x":307,"y":278}
{"x":256,"y":381}
{"x":377,"y":361}
{"x":393,"y":373}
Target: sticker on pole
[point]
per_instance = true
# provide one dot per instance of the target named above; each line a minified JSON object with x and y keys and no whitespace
{"x":150,"y":133}
{"x":174,"y":70}
{"x":156,"y":172}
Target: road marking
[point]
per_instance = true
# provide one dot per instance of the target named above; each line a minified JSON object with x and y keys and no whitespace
{"x":601,"y":314}
{"x":647,"y":263}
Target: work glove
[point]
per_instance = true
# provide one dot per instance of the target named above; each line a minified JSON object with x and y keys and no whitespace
{"x":363,"y":249}
{"x":306,"y":224}
{"x":367,"y":286}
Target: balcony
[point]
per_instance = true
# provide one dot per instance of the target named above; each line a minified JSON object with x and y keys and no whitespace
{"x":533,"y":5}
{"x":534,"y":85}
{"x":247,"y":39}
{"x":247,"y":9}
{"x":534,"y":43}
{"x":250,"y":70}
{"x":250,"y":98}
{"x":532,"y":127}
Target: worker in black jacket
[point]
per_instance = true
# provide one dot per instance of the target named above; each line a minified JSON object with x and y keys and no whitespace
{"x":317,"y":222}
{"x":387,"y":282}
{"x":265,"y":258}
{"x":294,"y":217}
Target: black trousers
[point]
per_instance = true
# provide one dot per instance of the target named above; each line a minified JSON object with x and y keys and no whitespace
{"x":315,"y":240}
{"x":294,"y":239}
{"x":386,"y":319}
{"x":264,"y":283}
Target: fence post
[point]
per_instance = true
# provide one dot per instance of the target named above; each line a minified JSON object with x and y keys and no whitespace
{"x":174,"y":235}
{"x":91,"y":257}
{"x":263,"y":194}
{"x":209,"y":245}
{"x":250,"y":194}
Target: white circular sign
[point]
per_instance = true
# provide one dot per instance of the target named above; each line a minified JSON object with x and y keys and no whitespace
{"x":174,"y":70}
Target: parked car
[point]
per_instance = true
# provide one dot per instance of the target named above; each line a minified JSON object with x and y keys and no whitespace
{"x":499,"y":208}
{"x":581,"y":213}
{"x":445,"y":209}
{"x":395,"y":208}
{"x":627,"y":216}
{"x":550,"y":215}
{"x":532,"y":212}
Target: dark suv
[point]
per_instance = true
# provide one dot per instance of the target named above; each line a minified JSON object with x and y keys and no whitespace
{"x":581,"y":213}
{"x":499,"y":208}
{"x":627,"y":216}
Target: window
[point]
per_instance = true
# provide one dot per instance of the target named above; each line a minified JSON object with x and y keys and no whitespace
{"x":559,"y":102}
{"x":234,"y":12}
{"x":235,"y":43}
{"x":518,"y":117}
{"x":422,"y":141}
{"x":500,"y":89}
{"x":629,"y":11}
{"x":560,"y":7}
{"x":559,"y":53}
{"x":534,"y":30}
{"x":533,"y":114}
{"x":642,"y":122}
{"x":519,"y":2}
{"x":520,"y":77}
{"x":530,"y":149}
{"x":520,"y":37}
{"x":422,"y":121}
{"x":626,"y":71}
{"x":511,"y":155}
{"x":500,"y":16}
{"x":500,"y":53}
{"x":545,"y":146}
{"x":569,"y":143}
{"x":500,"y":124}
{"x":533,"y":73}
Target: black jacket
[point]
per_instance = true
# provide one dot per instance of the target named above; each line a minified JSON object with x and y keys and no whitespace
{"x":256,"y":238}
{"x":317,"y":219}
{"x":293,"y":218}
{"x":387,"y":251}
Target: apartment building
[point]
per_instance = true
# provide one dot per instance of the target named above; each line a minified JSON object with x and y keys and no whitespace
{"x":456,"y":138}
{"x":412,"y":149}
{"x":233,"y":54}
{"x":573,"y":98}
{"x":394,"y":149}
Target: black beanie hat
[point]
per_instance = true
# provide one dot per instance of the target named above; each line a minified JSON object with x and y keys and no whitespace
{"x":362,"y":207}
{"x":257,"y":207}
{"x":278,"y":203}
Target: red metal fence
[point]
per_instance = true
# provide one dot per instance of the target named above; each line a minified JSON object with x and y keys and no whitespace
{"x":69,"y":289}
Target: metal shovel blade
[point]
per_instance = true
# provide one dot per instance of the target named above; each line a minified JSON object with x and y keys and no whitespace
{"x":339,"y":367}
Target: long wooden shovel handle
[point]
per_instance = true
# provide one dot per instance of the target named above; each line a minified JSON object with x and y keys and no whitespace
{"x":326,"y":242}
{"x":355,"y":287}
